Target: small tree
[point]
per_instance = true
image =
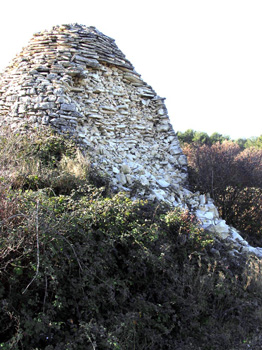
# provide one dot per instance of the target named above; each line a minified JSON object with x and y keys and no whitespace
{"x":249,"y":167}
{"x":234,"y":180}
{"x":187,"y":136}
{"x":212,"y":168}
{"x":216,"y":137}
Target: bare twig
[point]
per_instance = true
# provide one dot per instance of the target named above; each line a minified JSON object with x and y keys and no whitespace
{"x":14,"y":216}
{"x":46,"y":293}
{"x":37,"y":249}
{"x":72,"y":247}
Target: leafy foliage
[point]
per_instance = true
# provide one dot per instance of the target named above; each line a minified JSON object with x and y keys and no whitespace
{"x":200,"y":138}
{"x":254,"y":142}
{"x":112,"y":274}
{"x":83,"y":269}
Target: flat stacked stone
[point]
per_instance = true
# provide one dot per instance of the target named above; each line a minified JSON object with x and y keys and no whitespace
{"x":75,"y":79}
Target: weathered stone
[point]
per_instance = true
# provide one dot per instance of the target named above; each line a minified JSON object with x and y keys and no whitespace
{"x":204,"y":215}
{"x":144,"y":180}
{"x":182,"y":160}
{"x":133,"y":78}
{"x":76,"y":89}
{"x":115,"y":170}
{"x":163,"y":183}
{"x":108,"y":109}
{"x":52,"y":76}
{"x":253,"y":250}
{"x":32,"y":119}
{"x":70,"y":107}
{"x":121,"y":178}
{"x":95,"y":116}
{"x":45,"y":120}
{"x":125,"y":169}
{"x":175,"y":149}
{"x":162,"y":127}
{"x":44,"y":105}
{"x":221,"y":229}
{"x":59,"y":91}
{"x":202,"y":199}
{"x":21,"y":109}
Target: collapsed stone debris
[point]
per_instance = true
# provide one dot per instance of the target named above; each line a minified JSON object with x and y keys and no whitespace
{"x":74,"y":79}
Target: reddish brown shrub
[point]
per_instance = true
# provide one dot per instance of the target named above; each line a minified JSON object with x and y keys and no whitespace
{"x":234,"y":180}
{"x":212,"y":168}
{"x":250,"y":167}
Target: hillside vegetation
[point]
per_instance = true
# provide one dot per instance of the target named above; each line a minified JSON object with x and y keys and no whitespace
{"x":202,"y":138}
{"x":84,"y":268}
{"x":231,"y":171}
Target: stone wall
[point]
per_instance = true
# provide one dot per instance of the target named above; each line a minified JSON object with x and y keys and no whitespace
{"x":76,"y":80}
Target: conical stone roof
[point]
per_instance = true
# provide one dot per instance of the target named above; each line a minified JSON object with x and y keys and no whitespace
{"x":75,"y":79}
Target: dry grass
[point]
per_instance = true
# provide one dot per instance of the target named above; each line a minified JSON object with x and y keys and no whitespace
{"x":77,"y":166}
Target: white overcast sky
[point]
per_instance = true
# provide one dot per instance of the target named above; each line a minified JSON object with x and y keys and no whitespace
{"x":204,"y":56}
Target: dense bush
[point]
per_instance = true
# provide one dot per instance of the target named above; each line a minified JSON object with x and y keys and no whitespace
{"x":83,"y":269}
{"x":234,"y":179}
{"x":243,"y":209}
{"x":249,"y":167}
{"x":202,"y":138}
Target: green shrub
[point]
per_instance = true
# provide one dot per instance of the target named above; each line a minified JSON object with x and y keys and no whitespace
{"x":82,"y":271}
{"x":81,"y":268}
{"x":243,"y":209}
{"x":187,"y":227}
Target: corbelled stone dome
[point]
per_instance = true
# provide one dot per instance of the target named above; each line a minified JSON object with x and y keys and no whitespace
{"x":75,"y":79}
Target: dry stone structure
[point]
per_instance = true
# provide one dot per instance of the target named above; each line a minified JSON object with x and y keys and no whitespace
{"x":76,"y":80}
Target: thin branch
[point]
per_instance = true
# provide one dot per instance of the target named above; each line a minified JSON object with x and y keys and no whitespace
{"x":37,"y":249}
{"x":46,"y":293}
{"x":14,"y":216}
{"x":72,"y":247}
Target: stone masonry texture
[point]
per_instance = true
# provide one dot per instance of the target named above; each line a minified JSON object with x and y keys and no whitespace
{"x":75,"y":79}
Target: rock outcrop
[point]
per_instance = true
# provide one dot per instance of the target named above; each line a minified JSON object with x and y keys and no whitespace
{"x":76,"y":80}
